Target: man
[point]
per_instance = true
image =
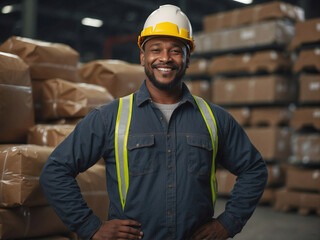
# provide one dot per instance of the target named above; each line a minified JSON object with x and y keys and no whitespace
{"x":160,"y":148}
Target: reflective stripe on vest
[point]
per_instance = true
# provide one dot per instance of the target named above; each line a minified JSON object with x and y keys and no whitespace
{"x":121,"y":139}
{"x":212,"y":128}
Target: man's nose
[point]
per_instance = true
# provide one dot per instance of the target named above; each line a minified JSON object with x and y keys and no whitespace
{"x":165,"y":56}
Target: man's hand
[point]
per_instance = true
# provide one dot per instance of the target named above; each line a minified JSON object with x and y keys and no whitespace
{"x":118,"y":229}
{"x":211,"y":231}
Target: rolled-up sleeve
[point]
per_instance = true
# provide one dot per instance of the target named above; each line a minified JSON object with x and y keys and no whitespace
{"x":79,"y":151}
{"x":237,"y":154}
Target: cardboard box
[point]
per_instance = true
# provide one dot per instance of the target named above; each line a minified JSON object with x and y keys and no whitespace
{"x":305,"y":202}
{"x":273,"y":143}
{"x":56,"y":237}
{"x":306,"y":117}
{"x":306,"y":148}
{"x":225,"y":180}
{"x":201,"y":88}
{"x":48,"y":134}
{"x":119,"y":77}
{"x":16,"y":103}
{"x":197,"y":67}
{"x":309,"y":88}
{"x":252,"y":14}
{"x":304,"y":179}
{"x":253,"y":90}
{"x":93,"y":186}
{"x":268,"y":196}
{"x":25,"y":222}
{"x":306,"y":32}
{"x":242,"y":115}
{"x":66,"y":121}
{"x":57,"y":98}
{"x":276,"y":175}
{"x":20,"y":168}
{"x":308,"y":60}
{"x":46,"y":60}
{"x":270,"y":116}
{"x":262,"y":61}
{"x":260,"y":35}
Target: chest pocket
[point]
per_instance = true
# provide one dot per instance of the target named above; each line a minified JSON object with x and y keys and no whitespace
{"x":200,"y":152}
{"x":141,"y":155}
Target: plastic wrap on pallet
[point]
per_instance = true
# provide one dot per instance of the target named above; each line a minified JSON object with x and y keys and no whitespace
{"x":16,"y":103}
{"x":119,"y":77}
{"x":20,"y":167}
{"x":46,"y":60}
{"x":48,"y":134}
{"x":305,"y":148}
{"x":26,"y":222}
{"x":57,"y":98}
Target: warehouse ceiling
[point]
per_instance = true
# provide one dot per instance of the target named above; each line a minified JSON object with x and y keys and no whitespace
{"x":60,"y":21}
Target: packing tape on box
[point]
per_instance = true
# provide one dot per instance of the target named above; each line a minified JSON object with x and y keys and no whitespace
{"x":54,"y":65}
{"x":55,"y":102}
{"x":27,"y":89}
{"x":26,"y":215}
{"x":3,"y":173}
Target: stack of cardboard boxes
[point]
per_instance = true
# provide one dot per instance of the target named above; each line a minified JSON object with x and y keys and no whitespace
{"x":250,"y":75}
{"x":251,"y":60}
{"x":44,"y":92}
{"x":302,"y":190}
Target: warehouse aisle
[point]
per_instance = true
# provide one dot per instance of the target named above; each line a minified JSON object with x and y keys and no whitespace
{"x":266,"y":224}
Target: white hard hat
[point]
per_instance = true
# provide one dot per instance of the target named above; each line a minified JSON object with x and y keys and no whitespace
{"x":168,"y":20}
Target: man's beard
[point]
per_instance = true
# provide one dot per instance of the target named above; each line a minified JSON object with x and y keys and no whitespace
{"x":164,"y":86}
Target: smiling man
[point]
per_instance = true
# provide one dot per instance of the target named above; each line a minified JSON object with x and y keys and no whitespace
{"x":161,"y":146}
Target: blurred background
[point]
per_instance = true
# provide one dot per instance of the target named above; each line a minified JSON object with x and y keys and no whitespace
{"x":100,"y":29}
{"x":258,"y":59}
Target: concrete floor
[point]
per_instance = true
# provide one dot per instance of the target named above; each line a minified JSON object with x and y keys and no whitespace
{"x":266,"y":224}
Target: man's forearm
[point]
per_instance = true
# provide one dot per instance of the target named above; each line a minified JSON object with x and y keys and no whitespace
{"x":63,"y":193}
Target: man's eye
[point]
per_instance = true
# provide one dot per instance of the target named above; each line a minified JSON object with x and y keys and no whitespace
{"x":176,"y":51}
{"x":155,"y":50}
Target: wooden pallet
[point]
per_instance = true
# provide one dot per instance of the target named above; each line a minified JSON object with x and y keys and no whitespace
{"x":304,"y":202}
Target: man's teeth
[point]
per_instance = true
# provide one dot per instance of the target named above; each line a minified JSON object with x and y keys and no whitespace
{"x":165,"y":69}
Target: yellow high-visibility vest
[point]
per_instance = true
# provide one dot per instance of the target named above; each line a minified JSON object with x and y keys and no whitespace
{"x":121,"y":139}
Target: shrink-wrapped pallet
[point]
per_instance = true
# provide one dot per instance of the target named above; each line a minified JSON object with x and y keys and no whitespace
{"x":16,"y":103}
{"x":46,"y":60}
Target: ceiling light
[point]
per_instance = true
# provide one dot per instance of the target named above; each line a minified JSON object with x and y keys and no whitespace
{"x":92,"y":22}
{"x":7,"y":9}
{"x":244,"y":1}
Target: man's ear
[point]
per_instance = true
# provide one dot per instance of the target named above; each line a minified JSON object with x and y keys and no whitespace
{"x":188,"y":60}
{"x":142,"y":57}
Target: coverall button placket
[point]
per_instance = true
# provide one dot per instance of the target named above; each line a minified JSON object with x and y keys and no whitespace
{"x":171,"y":179}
